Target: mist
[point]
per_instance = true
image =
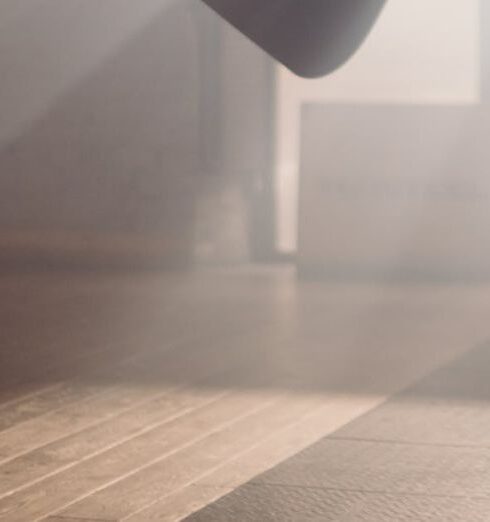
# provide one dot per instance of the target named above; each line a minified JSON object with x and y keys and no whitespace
{"x":231,"y":293}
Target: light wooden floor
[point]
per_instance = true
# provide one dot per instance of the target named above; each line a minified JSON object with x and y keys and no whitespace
{"x":145,"y":397}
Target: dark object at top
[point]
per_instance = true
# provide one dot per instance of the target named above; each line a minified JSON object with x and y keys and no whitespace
{"x":310,"y":37}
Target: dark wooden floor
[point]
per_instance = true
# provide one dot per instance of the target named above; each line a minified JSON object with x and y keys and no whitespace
{"x":146,"y":397}
{"x":423,"y":455}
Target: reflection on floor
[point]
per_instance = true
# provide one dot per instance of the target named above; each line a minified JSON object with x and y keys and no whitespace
{"x":147,"y":397}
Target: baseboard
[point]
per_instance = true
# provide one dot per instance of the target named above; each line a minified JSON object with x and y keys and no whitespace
{"x":46,"y":248}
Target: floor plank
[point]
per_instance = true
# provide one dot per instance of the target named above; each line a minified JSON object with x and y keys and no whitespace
{"x":132,"y":494}
{"x":417,"y":456}
{"x":125,"y":458}
{"x":103,"y":377}
{"x":263,"y":455}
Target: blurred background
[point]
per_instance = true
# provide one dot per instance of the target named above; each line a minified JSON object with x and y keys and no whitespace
{"x":208,"y":264}
{"x":155,"y":135}
{"x":132,"y":135}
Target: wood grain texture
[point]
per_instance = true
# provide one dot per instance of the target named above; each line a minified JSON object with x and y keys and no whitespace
{"x":146,"y":396}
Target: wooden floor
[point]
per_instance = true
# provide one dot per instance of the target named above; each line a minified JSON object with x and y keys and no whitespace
{"x":146,"y":397}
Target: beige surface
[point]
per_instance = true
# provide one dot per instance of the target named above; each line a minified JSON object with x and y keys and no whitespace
{"x":388,"y":194}
{"x":144,"y":397}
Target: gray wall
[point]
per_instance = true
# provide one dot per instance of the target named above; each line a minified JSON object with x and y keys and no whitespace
{"x":394,"y":191}
{"x":398,"y":191}
{"x":239,"y":199}
{"x":99,"y":128}
{"x":104,"y":136}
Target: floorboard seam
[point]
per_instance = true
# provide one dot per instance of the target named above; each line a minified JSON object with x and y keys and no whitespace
{"x":363,"y":491}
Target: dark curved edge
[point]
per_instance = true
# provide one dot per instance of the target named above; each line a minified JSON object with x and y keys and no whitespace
{"x":311,"y":38}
